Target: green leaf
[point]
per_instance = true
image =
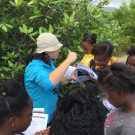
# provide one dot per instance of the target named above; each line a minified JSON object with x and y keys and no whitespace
{"x":13,"y":74}
{"x":50,"y":28}
{"x":12,"y":54}
{"x":36,"y":16}
{"x":72,"y":16}
{"x":58,"y":36}
{"x":15,"y":65}
{"x":25,"y":29}
{"x":55,"y":2}
{"x":8,"y":25}
{"x":46,"y":20}
{"x":30,"y":3}
{"x":33,"y":34}
{"x":4,"y":28}
{"x":12,"y":3}
{"x":65,"y":15}
{"x":43,"y":4}
{"x":30,"y":30}
{"x":19,"y":67}
{"x":21,"y":29}
{"x":40,"y":30}
{"x":18,"y":2}
{"x":32,"y":38}
{"x":10,"y":63}
{"x":16,"y":55}
{"x":5,"y":57}
{"x":6,"y":69}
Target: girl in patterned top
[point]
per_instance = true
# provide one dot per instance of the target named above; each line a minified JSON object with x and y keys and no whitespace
{"x":118,"y":83}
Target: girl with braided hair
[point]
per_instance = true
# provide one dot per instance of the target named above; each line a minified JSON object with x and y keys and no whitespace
{"x":81,"y":113}
{"x":118,"y":83}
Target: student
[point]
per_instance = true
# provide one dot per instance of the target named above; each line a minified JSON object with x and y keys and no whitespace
{"x":103,"y":55}
{"x":41,"y":78}
{"x":117,"y":82}
{"x":81,"y":113}
{"x":87,"y":44}
{"x":131,"y":57}
{"x":15,"y":109}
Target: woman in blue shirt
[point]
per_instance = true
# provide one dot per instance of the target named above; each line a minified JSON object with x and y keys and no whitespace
{"x":41,"y":78}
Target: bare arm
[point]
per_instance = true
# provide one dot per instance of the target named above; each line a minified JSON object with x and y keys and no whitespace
{"x":57,"y":75}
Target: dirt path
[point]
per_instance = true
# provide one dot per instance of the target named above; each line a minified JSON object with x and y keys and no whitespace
{"x":122,"y":58}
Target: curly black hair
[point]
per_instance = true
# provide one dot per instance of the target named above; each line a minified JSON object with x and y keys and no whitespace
{"x":81,"y":113}
{"x":118,"y":77}
{"x":131,"y":51}
{"x":103,"y":47}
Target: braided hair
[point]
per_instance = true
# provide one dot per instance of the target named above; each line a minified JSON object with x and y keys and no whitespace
{"x":13,"y":99}
{"x":81,"y":113}
{"x":118,"y":77}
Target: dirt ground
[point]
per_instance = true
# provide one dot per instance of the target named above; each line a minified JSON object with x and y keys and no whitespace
{"x":122,"y":58}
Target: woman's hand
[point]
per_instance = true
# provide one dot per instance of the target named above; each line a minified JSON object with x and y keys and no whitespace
{"x":72,"y":76}
{"x":44,"y":132}
{"x":72,"y":56}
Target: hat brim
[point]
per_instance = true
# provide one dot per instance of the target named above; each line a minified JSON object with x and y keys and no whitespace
{"x":49,"y":49}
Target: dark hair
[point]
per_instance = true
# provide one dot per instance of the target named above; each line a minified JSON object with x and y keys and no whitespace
{"x":13,"y":99}
{"x":131,"y":51}
{"x":42,"y":56}
{"x":118,"y":77}
{"x":90,"y":38}
{"x":103,"y":47}
{"x":81,"y":113}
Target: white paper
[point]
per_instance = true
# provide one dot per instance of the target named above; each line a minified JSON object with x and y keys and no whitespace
{"x":38,"y":110}
{"x":81,"y":77}
{"x":89,"y":70}
{"x":69,"y":70}
{"x":39,"y":122}
{"x":81,"y":72}
{"x":108,"y":105}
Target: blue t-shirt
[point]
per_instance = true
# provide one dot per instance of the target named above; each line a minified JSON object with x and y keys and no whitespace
{"x":40,"y":87}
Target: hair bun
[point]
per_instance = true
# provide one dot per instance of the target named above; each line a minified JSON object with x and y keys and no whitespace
{"x":11,"y":87}
{"x":131,"y":51}
{"x":85,"y":35}
{"x":94,"y":36}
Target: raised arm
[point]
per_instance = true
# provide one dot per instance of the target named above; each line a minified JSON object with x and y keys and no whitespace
{"x":57,"y":75}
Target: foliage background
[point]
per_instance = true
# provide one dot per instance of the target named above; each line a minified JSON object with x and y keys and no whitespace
{"x":22,"y":21}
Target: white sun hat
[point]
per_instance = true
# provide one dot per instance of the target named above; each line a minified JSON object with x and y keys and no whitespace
{"x":47,"y":42}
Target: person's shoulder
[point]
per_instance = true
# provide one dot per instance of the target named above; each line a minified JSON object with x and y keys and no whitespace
{"x":90,"y":55}
{"x":35,"y":65}
{"x":114,"y":59}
